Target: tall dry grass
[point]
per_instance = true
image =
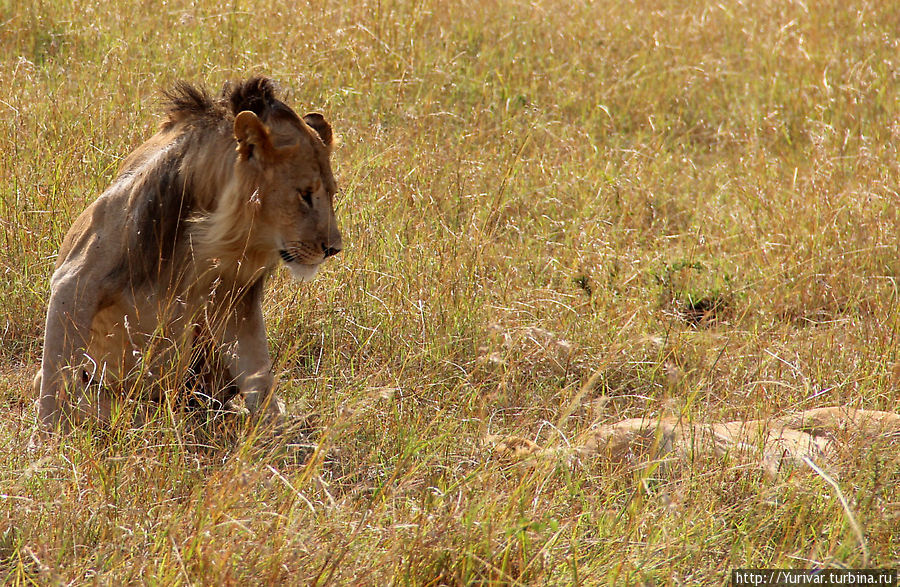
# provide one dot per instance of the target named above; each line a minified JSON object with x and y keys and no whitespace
{"x":692,"y":208}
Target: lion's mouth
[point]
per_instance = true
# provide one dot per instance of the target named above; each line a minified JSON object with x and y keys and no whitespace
{"x":300,"y":270}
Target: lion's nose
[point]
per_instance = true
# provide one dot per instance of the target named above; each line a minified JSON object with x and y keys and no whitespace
{"x":330,"y":251}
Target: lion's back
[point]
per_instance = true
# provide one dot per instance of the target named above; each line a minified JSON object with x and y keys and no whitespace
{"x":137,"y":220}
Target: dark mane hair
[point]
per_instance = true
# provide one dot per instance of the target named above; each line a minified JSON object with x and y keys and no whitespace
{"x":256,"y":94}
{"x":186,"y":102}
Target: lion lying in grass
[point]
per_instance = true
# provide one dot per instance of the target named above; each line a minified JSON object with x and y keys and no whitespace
{"x":819,"y":435}
{"x":162,"y":276}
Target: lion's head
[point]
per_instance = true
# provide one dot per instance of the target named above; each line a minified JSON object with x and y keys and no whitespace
{"x":283,"y":162}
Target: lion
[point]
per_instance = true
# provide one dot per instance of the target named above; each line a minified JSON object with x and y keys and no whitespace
{"x":825,"y":435}
{"x":165,"y":271}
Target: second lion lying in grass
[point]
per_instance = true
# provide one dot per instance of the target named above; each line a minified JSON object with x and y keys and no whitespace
{"x":818,"y":435}
{"x":164,"y":272}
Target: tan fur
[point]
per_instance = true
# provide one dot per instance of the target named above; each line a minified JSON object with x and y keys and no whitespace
{"x":177,"y":249}
{"x":822,"y":435}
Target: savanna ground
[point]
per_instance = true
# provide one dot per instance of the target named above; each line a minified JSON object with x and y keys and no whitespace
{"x":556,"y":214}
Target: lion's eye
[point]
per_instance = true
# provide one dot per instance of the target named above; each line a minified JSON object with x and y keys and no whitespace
{"x":306,"y":196}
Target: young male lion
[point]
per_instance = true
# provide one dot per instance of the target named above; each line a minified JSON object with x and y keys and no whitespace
{"x":164,"y":271}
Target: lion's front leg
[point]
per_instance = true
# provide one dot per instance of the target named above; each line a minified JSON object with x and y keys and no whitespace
{"x":69,"y":315}
{"x":247,"y":355}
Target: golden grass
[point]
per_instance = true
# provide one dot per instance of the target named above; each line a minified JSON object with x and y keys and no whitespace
{"x":555,"y":214}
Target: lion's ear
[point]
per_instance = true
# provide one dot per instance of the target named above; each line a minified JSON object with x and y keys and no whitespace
{"x":318,"y":123}
{"x":254,"y":141}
